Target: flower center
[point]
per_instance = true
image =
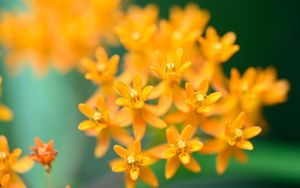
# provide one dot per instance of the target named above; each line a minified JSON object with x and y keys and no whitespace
{"x":170,"y":68}
{"x":218,"y":46}
{"x":181,"y":144}
{"x":136,"y":100}
{"x":100,"y":118}
{"x":136,"y":35}
{"x":130,"y":159}
{"x":237,"y":136}
{"x":101,"y":67}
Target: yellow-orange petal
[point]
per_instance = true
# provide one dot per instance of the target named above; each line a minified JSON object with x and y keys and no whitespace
{"x":153,"y":120}
{"x":175,"y":117}
{"x":148,"y":176}
{"x":16,"y":153}
{"x":183,"y":67}
{"x":170,"y":153}
{"x":245,"y":144}
{"x":158,"y":90}
{"x":86,"y":125}
{"x":102,"y":144}
{"x":23,"y":165}
{"x":129,"y":182}
{"x":123,"y":102}
{"x":240,"y":155}
{"x":251,"y":132}
{"x":3,"y":144}
{"x":121,"y":135}
{"x":135,"y":147}
{"x":5,"y":113}
{"x":122,"y":118}
{"x":123,"y":89}
{"x":213,"y":98}
{"x":86,"y":110}
{"x":100,"y":103}
{"x":4,"y":180}
{"x":158,"y":151}
{"x":15,"y":181}
{"x":213,"y":146}
{"x":139,"y":126}
{"x":195,"y":145}
{"x":186,"y":133}
{"x":193,"y":165}
{"x":121,"y":151}
{"x":189,"y":90}
{"x":184,"y":157}
{"x":134,"y":173}
{"x":179,"y":99}
{"x":172,"y":135}
{"x":119,"y":166}
{"x":172,"y":166}
{"x":146,"y":92}
{"x":203,"y":87}
{"x":222,"y":161}
{"x":137,"y":83}
{"x":239,"y":121}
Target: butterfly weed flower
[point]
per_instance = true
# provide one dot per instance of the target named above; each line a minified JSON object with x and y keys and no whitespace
{"x":11,"y":164}
{"x":179,"y":150}
{"x":5,"y":113}
{"x":170,"y":71}
{"x":134,"y":98}
{"x":200,"y":105}
{"x":104,"y":123}
{"x":44,"y":153}
{"x":135,"y":164}
{"x":231,"y":141}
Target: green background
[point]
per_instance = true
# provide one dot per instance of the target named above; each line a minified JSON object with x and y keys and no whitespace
{"x":268,"y":33}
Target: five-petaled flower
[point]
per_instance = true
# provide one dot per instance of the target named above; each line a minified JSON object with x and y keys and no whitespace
{"x":135,"y":164}
{"x":178,"y":150}
{"x":105,"y":123}
{"x":10,"y":165}
{"x":134,"y":99}
{"x":44,"y":153}
{"x":231,"y":141}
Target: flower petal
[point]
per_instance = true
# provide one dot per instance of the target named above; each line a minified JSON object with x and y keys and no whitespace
{"x":193,"y":165}
{"x":5,"y":113}
{"x":15,"y":181}
{"x":186,"y":133}
{"x":86,"y":125}
{"x":239,"y":121}
{"x":172,"y":166}
{"x":240,"y":155}
{"x":123,"y":89}
{"x":175,"y":117}
{"x":189,"y":89}
{"x":121,"y":151}
{"x":245,"y":144}
{"x":222,"y":161}
{"x":4,"y":144}
{"x":213,"y":98}
{"x":158,"y":151}
{"x":213,"y":146}
{"x":146,"y":92}
{"x":118,"y":165}
{"x":137,"y":83}
{"x":86,"y":110}
{"x":121,"y":135}
{"x":251,"y":132}
{"x":153,"y":120}
{"x":203,"y":87}
{"x":101,"y":104}
{"x":195,"y":145}
{"x":135,"y":147}
{"x":23,"y":165}
{"x":139,"y":126}
{"x":134,"y":173}
{"x":148,"y":176}
{"x":179,"y":99}
{"x":184,"y":157}
{"x":129,"y":182}
{"x":172,"y":135}
{"x":122,"y":118}
{"x":102,"y":144}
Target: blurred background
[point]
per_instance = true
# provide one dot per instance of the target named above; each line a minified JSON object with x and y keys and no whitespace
{"x":269,"y":34}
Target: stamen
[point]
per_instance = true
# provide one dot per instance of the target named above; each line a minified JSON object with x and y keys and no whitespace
{"x":181,"y":144}
{"x":130,"y":159}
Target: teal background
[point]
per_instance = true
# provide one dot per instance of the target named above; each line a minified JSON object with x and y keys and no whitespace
{"x":268,"y":33}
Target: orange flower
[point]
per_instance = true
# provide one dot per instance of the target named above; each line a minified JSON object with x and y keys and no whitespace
{"x":5,"y":113}
{"x":183,"y":28}
{"x":232,"y":140}
{"x":170,"y":71}
{"x":135,"y":165}
{"x":134,"y":99}
{"x":249,"y":92}
{"x":104,"y":123}
{"x":43,"y":153}
{"x":178,"y":150}
{"x":137,"y":27}
{"x":200,"y":106}
{"x":10,"y":165}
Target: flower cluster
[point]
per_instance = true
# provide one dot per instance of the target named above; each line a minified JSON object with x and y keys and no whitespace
{"x":5,"y":113}
{"x":172,"y":80}
{"x":56,"y":32}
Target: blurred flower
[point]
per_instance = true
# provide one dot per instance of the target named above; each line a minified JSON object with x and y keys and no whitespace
{"x":178,"y":150}
{"x":134,"y":99}
{"x":104,"y":124}
{"x":135,"y":165}
{"x":5,"y":113}
{"x":44,"y":153}
{"x":251,"y":91}
{"x":170,"y":71}
{"x":232,"y":140}
{"x":57,"y":33}
{"x":10,"y":165}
